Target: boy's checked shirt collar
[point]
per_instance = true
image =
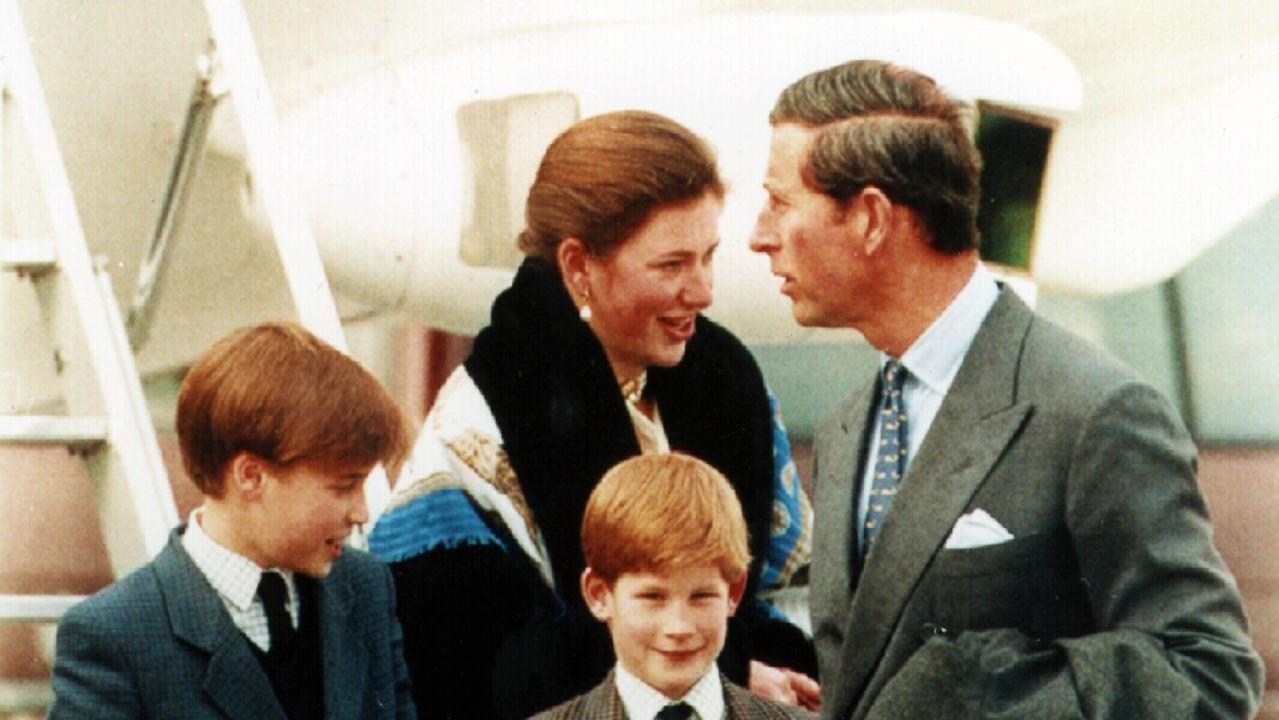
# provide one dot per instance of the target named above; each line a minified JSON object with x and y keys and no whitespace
{"x":235,"y":578}
{"x":642,"y":702}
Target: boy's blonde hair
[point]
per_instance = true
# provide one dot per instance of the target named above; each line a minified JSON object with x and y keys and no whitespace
{"x":661,"y":512}
{"x":278,"y":391}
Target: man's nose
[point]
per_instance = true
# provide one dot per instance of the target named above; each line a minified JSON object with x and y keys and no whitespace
{"x":764,"y":236}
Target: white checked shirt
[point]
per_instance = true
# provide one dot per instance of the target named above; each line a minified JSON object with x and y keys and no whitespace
{"x":235,"y":578}
{"x":642,"y":702}
{"x":932,"y":362}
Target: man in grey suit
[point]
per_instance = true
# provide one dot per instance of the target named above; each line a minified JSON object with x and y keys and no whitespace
{"x":1008,"y":522}
{"x":255,"y":610}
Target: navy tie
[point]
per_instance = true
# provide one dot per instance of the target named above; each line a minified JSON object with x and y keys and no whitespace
{"x":274,"y":596}
{"x":675,"y":711}
{"x":890,"y":458}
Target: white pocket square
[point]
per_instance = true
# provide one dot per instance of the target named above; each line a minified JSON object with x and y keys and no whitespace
{"x":976,"y":529}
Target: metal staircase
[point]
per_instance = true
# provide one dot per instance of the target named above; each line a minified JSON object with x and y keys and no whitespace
{"x":105,"y":420}
{"x":238,"y":60}
{"x":102,"y":416}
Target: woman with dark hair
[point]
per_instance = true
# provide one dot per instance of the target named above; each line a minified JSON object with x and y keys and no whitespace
{"x":597,"y":352}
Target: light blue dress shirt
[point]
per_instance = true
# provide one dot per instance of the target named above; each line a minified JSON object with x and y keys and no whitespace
{"x":932,"y":360}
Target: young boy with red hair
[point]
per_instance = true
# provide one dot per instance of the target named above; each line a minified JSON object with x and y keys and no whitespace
{"x":667,"y":558}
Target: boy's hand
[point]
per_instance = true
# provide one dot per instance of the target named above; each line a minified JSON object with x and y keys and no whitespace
{"x":784,"y":685}
{"x":807,"y":691}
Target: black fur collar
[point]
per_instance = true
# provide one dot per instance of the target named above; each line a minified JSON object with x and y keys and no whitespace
{"x":564,"y":423}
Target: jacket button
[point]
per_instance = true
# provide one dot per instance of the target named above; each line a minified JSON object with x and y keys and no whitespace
{"x":931,"y":630}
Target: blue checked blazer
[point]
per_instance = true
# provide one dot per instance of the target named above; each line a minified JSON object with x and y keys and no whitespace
{"x":160,"y":644}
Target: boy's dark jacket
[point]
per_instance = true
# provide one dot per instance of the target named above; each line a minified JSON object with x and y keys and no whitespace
{"x":160,"y":643}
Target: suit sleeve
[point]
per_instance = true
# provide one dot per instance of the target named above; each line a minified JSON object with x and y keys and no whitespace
{"x":91,"y":676}
{"x":1171,"y":639}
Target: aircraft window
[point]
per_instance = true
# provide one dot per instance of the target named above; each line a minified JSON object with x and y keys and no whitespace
{"x":1014,"y":147}
{"x":502,"y":143}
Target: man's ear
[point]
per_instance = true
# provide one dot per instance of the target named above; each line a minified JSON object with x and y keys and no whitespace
{"x":876,"y":214}
{"x":597,"y":593}
{"x":735,"y":592}
{"x":246,"y":473}
{"x":571,"y":255}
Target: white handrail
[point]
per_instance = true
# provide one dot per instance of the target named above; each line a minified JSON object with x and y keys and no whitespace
{"x":289,"y":224}
{"x":35,"y":608}
{"x":134,"y":496}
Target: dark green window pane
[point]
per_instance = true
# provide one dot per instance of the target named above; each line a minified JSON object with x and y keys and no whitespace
{"x":1014,"y":153}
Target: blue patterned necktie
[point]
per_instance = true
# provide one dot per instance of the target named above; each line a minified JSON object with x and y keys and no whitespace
{"x":890,"y":458}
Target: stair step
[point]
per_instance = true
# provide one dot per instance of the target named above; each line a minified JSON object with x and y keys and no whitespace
{"x":73,"y":432}
{"x":28,"y":256}
{"x":35,"y":608}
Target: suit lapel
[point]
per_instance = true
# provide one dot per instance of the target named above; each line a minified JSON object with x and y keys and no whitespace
{"x":604,"y":702}
{"x":738,"y":703}
{"x":837,"y":489}
{"x":236,"y":683}
{"x":976,"y":422}
{"x":234,"y":680}
{"x":835,"y":500}
{"x":345,"y":657}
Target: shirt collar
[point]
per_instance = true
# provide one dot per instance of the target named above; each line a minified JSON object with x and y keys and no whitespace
{"x":232,"y":575}
{"x":642,"y":702}
{"x":934,"y":358}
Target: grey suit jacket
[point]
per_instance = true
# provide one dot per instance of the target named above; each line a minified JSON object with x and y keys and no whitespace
{"x":160,"y":644}
{"x":1110,"y":601}
{"x":604,"y":703}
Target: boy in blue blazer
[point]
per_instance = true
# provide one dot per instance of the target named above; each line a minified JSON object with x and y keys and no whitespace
{"x":255,"y":609}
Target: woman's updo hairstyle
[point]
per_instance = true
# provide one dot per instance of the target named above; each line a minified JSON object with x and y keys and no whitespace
{"x":602,"y":178}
